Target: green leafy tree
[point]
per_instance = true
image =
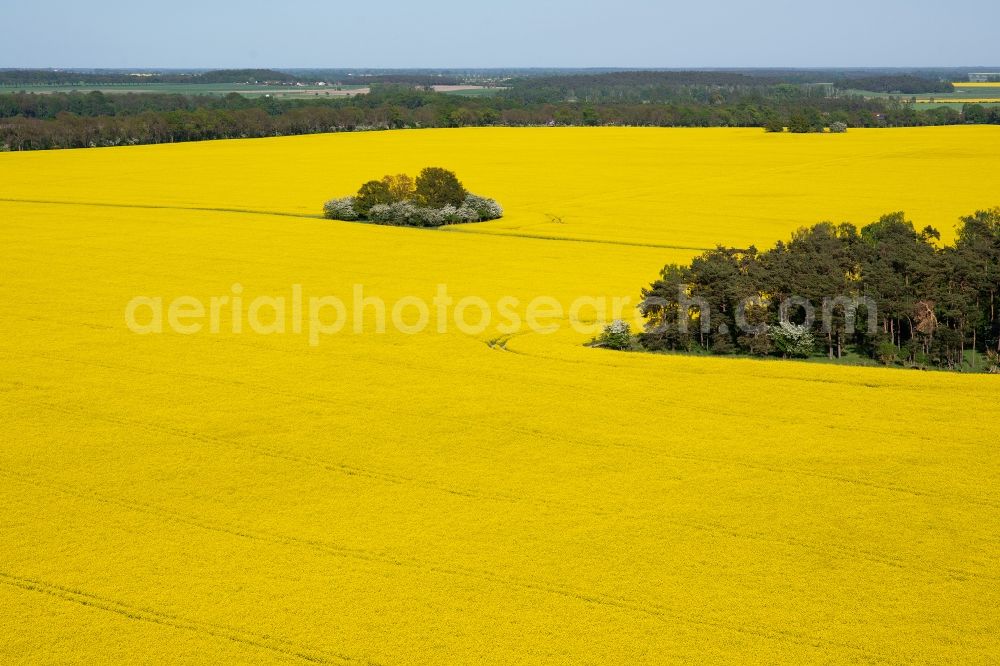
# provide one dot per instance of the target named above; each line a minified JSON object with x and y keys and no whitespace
{"x":793,"y":339}
{"x":723,"y":278}
{"x":805,"y":120}
{"x":977,"y":263}
{"x":616,"y":335}
{"x":773,"y":124}
{"x":668,"y":322}
{"x":372,"y":193}
{"x":401,"y":187}
{"x":816,"y":264}
{"x":437,"y":187}
{"x":898,"y":264}
{"x":975,"y":113}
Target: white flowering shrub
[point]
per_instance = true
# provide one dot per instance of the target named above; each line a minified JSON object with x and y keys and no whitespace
{"x":410,"y":214}
{"x":485,"y":209}
{"x":993,"y":362}
{"x":449,"y":214}
{"x":430,"y":217}
{"x":494,"y":210}
{"x":465,"y":214}
{"x":402,"y":212}
{"x":838,"y":127}
{"x":616,"y":335}
{"x":793,"y":339}
{"x":382,"y":213}
{"x":340,"y":209}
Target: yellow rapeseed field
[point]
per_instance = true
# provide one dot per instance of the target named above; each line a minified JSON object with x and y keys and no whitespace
{"x":473,"y":497}
{"x":961,"y":100}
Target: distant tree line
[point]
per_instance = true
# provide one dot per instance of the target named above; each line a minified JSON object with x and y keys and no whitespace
{"x":31,"y":121}
{"x":15,"y":77}
{"x":906,"y":84}
{"x":422,"y":80}
{"x":710,"y":86}
{"x":28,"y":77}
{"x":47,"y":106}
{"x":886,"y":292}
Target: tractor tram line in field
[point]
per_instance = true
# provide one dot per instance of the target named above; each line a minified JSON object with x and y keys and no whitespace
{"x":561,"y":590}
{"x":260,"y":641}
{"x":456,"y":496}
{"x":352,"y":471}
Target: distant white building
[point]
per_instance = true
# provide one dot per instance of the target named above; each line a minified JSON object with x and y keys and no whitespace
{"x":983,"y":77}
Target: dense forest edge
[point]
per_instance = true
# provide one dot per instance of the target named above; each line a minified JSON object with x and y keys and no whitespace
{"x":882,"y":294}
{"x":798,"y":101}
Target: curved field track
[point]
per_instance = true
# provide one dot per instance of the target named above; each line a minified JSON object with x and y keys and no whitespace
{"x":473,"y":496}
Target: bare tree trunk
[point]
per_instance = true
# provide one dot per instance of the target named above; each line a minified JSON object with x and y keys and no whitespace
{"x":961,"y":359}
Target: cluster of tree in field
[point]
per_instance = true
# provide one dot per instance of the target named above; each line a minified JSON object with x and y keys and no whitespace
{"x":803,"y":121}
{"x":885,"y":292}
{"x":434,"y":198}
{"x":31,"y":121}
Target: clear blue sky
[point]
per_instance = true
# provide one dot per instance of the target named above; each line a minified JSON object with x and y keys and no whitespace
{"x":503,"y":33}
